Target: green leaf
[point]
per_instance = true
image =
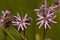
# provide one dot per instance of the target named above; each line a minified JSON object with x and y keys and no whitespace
{"x":14,"y":33}
{"x":1,"y":34}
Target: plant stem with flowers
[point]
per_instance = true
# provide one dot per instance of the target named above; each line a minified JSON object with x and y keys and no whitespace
{"x":46,"y":16}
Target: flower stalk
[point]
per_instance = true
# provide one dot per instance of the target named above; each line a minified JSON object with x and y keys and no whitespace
{"x":46,"y":16}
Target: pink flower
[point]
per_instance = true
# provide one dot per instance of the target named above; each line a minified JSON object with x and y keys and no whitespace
{"x":4,"y":15}
{"x":46,"y":15}
{"x":21,"y":22}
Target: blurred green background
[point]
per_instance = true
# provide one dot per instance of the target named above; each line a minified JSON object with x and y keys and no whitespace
{"x":32,"y":32}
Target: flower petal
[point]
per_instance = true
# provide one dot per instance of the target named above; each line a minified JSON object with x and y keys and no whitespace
{"x":54,"y":22}
{"x":46,"y":22}
{"x":45,"y":26}
{"x":18,"y":16}
{"x":18,"y":27}
{"x":21,"y":26}
{"x":25,"y":17}
{"x":41,"y":24}
{"x":24,"y":25}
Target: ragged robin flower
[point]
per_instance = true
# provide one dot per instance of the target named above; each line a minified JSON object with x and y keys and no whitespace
{"x":5,"y":13}
{"x":46,"y":15}
{"x":21,"y":23}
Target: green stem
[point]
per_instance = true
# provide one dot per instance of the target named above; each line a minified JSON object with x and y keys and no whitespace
{"x":8,"y":33}
{"x":24,"y":34}
{"x":45,"y":31}
{"x":23,"y":37}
